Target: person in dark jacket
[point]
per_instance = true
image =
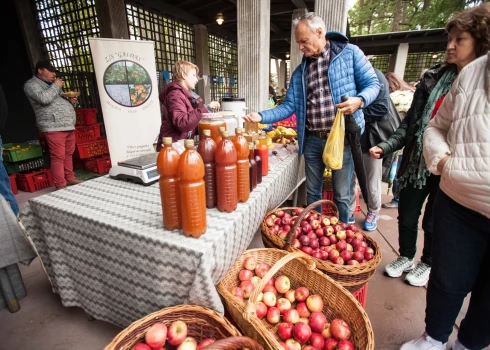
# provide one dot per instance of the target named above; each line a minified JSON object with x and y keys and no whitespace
{"x":415,"y":182}
{"x":382,"y":120}
{"x":5,"y":189}
{"x":182,"y":108}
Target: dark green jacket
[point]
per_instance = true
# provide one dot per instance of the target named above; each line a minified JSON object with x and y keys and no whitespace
{"x":404,"y":136}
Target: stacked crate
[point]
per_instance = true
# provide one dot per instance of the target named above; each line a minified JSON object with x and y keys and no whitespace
{"x":92,"y":150}
{"x":27,"y":166}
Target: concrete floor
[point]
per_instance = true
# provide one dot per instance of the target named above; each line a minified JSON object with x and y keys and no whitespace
{"x":396,"y":310}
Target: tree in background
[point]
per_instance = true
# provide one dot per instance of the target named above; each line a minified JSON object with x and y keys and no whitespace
{"x":383,"y":16}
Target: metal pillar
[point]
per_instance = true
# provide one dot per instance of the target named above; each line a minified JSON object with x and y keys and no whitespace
{"x":111,"y":15}
{"x":295,"y":54}
{"x":202,"y":61}
{"x":333,"y":13}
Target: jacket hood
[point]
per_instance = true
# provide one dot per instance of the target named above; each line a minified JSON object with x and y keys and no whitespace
{"x":337,"y":36}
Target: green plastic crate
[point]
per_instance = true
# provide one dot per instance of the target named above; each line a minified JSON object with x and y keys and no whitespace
{"x":15,"y":152}
{"x":27,"y":165}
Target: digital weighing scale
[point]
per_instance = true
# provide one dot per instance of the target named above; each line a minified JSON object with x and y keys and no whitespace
{"x":142,"y":170}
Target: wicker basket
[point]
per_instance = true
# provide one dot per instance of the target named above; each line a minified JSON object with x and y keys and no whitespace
{"x":300,"y":268}
{"x":351,"y":277}
{"x":235,"y":343}
{"x":202,"y":323}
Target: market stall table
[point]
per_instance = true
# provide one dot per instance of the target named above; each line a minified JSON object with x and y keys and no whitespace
{"x":104,"y":248}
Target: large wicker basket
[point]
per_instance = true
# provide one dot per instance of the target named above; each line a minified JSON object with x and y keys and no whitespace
{"x":300,"y":268}
{"x":351,"y":277}
{"x":202,"y":323}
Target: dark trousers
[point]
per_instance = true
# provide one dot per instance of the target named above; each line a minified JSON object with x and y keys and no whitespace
{"x":461,"y":264}
{"x":409,"y":209}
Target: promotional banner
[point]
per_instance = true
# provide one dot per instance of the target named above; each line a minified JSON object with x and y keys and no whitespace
{"x":128,"y":90}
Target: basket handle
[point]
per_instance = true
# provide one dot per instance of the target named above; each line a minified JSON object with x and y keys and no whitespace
{"x":250,"y":304}
{"x":290,"y":236}
{"x":235,"y":343}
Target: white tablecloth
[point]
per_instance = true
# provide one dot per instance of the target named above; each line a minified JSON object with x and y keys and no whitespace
{"x":105,"y":249}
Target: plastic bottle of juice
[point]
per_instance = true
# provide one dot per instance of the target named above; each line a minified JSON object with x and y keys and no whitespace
{"x":258,"y":160}
{"x":219,"y":137}
{"x":168,"y":167}
{"x":192,"y":191}
{"x":207,"y":150}
{"x":243,"y":180}
{"x":251,"y":159}
{"x":264,"y":154}
{"x":226,"y":175}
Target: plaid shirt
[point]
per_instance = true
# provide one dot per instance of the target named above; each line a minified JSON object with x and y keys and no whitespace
{"x":320,"y":111}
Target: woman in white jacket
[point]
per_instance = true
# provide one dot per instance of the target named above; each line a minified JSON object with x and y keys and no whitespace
{"x":457,"y":147}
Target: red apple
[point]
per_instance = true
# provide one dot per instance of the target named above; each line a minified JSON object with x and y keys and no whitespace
{"x":319,"y":232}
{"x":245,"y":275}
{"x":303,"y":309}
{"x":141,"y":346}
{"x":282,"y":234}
{"x":314,"y":303}
{"x":189,"y":343}
{"x":260,"y":297}
{"x":324,"y":255}
{"x":331,"y":344}
{"x":326,"y":331}
{"x":269,"y":221}
{"x":368,"y":256}
{"x":273,"y":315}
{"x":279,"y":213}
{"x":340,"y":329}
{"x":356,"y":242}
{"x":297,"y":211}
{"x":353,"y":228}
{"x":317,"y":322}
{"x":307,"y":250}
{"x":205,"y":342}
{"x":302,"y":293}
{"x":282,"y":284}
{"x":346,"y":255}
{"x":285,"y":330}
{"x":349,"y":233}
{"x":269,"y":288}
{"x":317,"y":341}
{"x":328,"y":231}
{"x":327,"y":249}
{"x":360,"y":236}
{"x":283,"y":304}
{"x":307,"y":228}
{"x":317,"y":254}
{"x":290,"y":295}
{"x":334,"y":220}
{"x":314,"y":243}
{"x":262,"y":269}
{"x":271,"y":282}
{"x":256,"y":280}
{"x":250,"y":263}
{"x":156,"y":335}
{"x":260,"y":310}
{"x":315,"y":224}
{"x":177,"y":332}
{"x":370,"y":250}
{"x":304,"y":320}
{"x":269,"y":299}
{"x":338,"y":260}
{"x":360,"y":249}
{"x":278,"y":222}
{"x":333,"y":239}
{"x":291,"y":316}
{"x":334,"y":253}
{"x":298,"y":232}
{"x":304,"y":240}
{"x":345,"y":345}
{"x":341,"y":245}
{"x":341,"y":235}
{"x":309,"y":347}
{"x":297,"y":244}
{"x":324,"y":241}
{"x":247,"y":288}
{"x":353,"y":262}
{"x":312,"y":236}
{"x":286,"y":220}
{"x":349,"y":248}
{"x":325,"y":221}
{"x":301,"y":332}
{"x":237,"y":293}
{"x":359,"y":256}
{"x":292,"y":344}
{"x":337,"y":228}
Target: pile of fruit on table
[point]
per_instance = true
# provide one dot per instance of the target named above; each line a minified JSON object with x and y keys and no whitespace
{"x":283,"y":135}
{"x":322,"y":237}
{"x":296,"y":313}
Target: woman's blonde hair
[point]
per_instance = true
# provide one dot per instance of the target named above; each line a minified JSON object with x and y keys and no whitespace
{"x":182,"y":67}
{"x":396,"y":83}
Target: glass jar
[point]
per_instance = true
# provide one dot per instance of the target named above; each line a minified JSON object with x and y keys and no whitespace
{"x":211,"y":121}
{"x":231,"y":123}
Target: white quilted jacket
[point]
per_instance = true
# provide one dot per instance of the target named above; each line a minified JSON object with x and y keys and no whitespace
{"x":461,"y":129}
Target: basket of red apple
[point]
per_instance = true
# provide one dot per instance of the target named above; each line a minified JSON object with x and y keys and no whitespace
{"x":340,"y":250}
{"x":183,"y":327}
{"x":282,"y":301}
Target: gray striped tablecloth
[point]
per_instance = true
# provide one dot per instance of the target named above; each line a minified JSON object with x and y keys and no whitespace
{"x":105,"y":249}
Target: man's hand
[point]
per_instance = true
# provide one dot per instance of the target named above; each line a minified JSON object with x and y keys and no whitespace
{"x":350,"y":106}
{"x":214,"y":105}
{"x":442,"y":162}
{"x":73,"y":100}
{"x":253,"y":117}
{"x":58,"y":81}
{"x":376,"y":152}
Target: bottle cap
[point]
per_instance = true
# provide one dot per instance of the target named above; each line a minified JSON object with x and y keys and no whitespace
{"x":221,"y":128}
{"x":251,"y":145}
{"x":224,"y":133}
{"x":238,"y":130}
{"x":206,"y":132}
{"x":167,"y":140}
{"x":188,"y":143}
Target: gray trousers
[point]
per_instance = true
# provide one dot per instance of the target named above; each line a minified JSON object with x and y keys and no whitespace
{"x":374,"y":171}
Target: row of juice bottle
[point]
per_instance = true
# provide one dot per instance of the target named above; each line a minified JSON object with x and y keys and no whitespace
{"x":220,"y":173}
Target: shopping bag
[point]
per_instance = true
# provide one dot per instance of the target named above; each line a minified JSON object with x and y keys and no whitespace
{"x":333,"y":153}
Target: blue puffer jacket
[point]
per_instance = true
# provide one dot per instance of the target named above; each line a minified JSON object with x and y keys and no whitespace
{"x":349,"y":73}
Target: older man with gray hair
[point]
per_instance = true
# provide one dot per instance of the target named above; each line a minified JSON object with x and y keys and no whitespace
{"x":331,"y":68}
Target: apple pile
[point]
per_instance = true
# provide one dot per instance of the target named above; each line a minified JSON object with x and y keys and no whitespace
{"x":157,"y":335}
{"x":298,"y":314}
{"x":322,"y":237}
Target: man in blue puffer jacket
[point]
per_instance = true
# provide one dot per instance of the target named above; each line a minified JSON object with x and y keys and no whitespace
{"x":330,"y":69}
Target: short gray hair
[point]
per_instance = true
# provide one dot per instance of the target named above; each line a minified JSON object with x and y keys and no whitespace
{"x":314,"y":22}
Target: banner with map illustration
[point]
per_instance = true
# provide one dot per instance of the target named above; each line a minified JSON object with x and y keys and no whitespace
{"x":128,"y":90}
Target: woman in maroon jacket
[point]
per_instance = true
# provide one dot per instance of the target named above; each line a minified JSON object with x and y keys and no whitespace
{"x":182,"y":108}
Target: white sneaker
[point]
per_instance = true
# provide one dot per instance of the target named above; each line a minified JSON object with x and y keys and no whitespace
{"x":458,"y":346}
{"x":399,"y":266}
{"x":419,"y":276}
{"x":424,"y":343}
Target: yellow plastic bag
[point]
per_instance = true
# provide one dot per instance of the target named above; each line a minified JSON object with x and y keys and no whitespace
{"x":333,"y":153}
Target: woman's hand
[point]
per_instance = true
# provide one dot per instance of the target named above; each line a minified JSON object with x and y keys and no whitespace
{"x":376,"y":152}
{"x":440,"y":165}
{"x":253,"y":117}
{"x":214,"y":105}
